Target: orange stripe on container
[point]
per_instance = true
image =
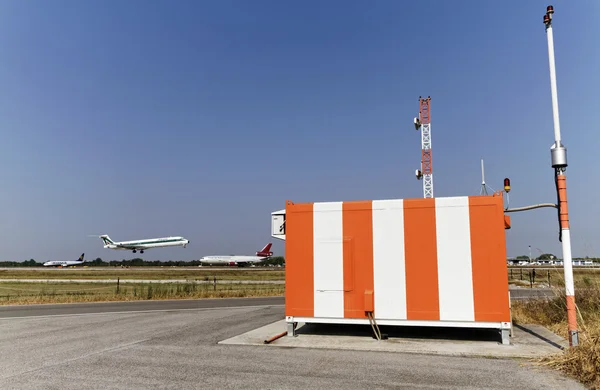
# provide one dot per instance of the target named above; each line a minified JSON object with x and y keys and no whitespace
{"x":422,"y":296}
{"x":488,"y":259}
{"x":299,"y":295}
{"x":357,"y":219}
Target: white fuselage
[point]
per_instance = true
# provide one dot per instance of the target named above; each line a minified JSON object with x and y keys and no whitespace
{"x":147,"y":244}
{"x":62,"y":263}
{"x":230,"y":260}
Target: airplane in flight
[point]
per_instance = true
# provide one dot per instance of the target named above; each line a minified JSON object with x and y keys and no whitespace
{"x":59,"y":263}
{"x":240,"y":261}
{"x":142,"y":245}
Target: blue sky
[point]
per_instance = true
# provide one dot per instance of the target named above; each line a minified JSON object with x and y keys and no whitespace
{"x":144,"y":119}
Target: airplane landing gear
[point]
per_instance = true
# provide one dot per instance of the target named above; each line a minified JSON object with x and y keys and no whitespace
{"x":134,"y":251}
{"x":142,"y":251}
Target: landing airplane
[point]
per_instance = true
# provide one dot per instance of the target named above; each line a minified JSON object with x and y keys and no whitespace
{"x":240,"y":261}
{"x":141,"y":245}
{"x":65,"y":263}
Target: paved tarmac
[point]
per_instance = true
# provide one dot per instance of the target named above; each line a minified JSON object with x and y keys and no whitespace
{"x":518,"y":293}
{"x":15,"y":311}
{"x":134,"y":269}
{"x":114,"y":281}
{"x":177,"y":349}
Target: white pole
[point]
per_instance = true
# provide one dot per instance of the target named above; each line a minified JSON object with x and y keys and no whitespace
{"x":559,"y":163}
{"x":553,"y":89}
{"x":482,"y":173}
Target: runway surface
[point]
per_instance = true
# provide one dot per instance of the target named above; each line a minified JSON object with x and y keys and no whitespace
{"x":148,"y":268}
{"x":142,"y":281}
{"x":177,"y":349}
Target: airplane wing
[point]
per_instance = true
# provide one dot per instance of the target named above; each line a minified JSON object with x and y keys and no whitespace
{"x":131,"y":247}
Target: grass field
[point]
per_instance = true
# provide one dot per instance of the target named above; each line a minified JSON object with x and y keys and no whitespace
{"x":143,"y":273}
{"x":15,"y":293}
{"x":582,"y":362}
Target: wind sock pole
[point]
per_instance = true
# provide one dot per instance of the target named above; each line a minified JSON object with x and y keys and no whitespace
{"x":559,"y":163}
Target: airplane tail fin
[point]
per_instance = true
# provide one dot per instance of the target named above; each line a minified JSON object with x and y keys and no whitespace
{"x":81,"y":257}
{"x":106,"y":239}
{"x":265,"y":251}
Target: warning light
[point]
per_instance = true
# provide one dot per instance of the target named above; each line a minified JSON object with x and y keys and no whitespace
{"x":507,"y":184}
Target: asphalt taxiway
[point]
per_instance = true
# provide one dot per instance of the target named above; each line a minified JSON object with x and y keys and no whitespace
{"x":15,"y":311}
{"x":178,"y":348}
{"x":219,"y":281}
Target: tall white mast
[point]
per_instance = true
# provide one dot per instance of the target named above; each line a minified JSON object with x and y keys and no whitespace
{"x":559,"y":162}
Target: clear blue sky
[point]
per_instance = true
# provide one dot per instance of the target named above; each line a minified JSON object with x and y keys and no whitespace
{"x":143,"y":119}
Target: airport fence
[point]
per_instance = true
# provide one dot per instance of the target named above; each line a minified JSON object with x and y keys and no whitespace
{"x":529,"y":276}
{"x":550,"y":278}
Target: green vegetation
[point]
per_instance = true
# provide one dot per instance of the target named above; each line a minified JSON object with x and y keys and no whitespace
{"x":145,"y":273}
{"x":550,"y":256}
{"x":582,"y":362}
{"x":15,"y":293}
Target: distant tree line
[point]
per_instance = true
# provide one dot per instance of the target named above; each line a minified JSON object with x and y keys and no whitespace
{"x":26,"y":263}
{"x":137,"y":262}
{"x":550,"y":256}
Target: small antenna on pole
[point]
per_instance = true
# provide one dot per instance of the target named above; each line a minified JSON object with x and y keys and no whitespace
{"x":483,"y":190}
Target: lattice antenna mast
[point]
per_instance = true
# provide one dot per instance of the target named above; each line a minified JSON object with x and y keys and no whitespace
{"x":423,"y":123}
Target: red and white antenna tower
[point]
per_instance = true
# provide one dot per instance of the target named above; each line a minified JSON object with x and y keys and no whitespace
{"x":423,"y":122}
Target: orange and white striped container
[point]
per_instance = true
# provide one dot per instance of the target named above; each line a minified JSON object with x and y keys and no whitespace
{"x":417,"y":262}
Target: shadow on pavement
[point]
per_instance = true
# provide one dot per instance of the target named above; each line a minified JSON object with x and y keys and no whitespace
{"x":404,"y":332}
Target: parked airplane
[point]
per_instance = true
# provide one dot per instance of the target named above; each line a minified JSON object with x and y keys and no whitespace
{"x":240,"y":261}
{"x":65,"y":263}
{"x":141,"y":245}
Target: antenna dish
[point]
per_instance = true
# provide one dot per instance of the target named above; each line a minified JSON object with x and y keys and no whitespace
{"x":417,"y":123}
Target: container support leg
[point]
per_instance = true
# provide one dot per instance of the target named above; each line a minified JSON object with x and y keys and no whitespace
{"x":505,"y":334}
{"x":291,"y":329}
